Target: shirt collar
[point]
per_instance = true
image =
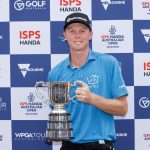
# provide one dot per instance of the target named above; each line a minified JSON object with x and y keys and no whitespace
{"x":91,"y":57}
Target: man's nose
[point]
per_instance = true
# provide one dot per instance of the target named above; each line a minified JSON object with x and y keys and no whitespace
{"x":77,"y":33}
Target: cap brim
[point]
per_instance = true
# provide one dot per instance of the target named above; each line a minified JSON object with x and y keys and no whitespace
{"x":65,"y":26}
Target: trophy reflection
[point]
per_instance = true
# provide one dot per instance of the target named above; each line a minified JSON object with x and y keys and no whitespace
{"x":59,"y":121}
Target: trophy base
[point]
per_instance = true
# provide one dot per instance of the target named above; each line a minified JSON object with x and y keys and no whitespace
{"x":59,"y":127}
{"x":54,"y":140}
{"x":58,"y":135}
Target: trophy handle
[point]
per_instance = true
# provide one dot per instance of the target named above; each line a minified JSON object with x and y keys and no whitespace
{"x":37,"y":85}
{"x":81,"y":83}
{"x":78,"y":82}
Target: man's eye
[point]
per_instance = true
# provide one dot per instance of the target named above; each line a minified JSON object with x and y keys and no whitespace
{"x":71,"y":31}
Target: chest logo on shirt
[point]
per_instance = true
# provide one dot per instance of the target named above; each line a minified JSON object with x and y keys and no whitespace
{"x":93,"y":80}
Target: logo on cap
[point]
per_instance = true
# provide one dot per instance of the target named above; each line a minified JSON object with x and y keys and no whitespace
{"x":76,"y":18}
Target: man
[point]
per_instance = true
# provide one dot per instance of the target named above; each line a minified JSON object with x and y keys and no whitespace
{"x":102,"y":95}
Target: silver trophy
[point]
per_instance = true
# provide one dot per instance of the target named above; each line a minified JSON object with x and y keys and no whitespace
{"x":59,"y":122}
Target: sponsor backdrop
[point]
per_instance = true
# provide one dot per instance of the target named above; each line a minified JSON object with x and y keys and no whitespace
{"x":32,"y":42}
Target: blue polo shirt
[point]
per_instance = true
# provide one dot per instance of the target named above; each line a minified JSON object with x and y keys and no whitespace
{"x":103,"y":75}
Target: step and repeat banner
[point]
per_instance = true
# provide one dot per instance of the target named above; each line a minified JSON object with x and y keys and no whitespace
{"x":32,"y":42}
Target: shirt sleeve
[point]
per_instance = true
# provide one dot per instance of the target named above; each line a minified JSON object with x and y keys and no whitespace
{"x":118,"y":86}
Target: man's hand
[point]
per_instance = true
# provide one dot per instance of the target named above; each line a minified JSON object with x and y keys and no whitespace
{"x":83,"y":93}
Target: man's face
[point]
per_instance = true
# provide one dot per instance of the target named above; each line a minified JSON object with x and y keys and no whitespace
{"x":78,"y":36}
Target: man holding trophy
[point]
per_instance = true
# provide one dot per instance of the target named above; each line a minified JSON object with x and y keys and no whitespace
{"x":98,"y":91}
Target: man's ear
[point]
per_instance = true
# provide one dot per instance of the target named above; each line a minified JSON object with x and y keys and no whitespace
{"x":64,"y":36}
{"x":91,"y":35}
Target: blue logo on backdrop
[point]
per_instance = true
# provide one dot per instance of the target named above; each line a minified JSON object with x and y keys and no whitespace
{"x":112,"y":9}
{"x":27,"y":134}
{"x":27,"y":10}
{"x":26,"y":70}
{"x":112,"y":40}
{"x":4,"y":38}
{"x":5,"y":108}
{"x":141,"y":32}
{"x":31,"y":106}
{"x":125,"y":134}
{"x":142,"y":102}
{"x":126,"y":60}
{"x":58,"y":43}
